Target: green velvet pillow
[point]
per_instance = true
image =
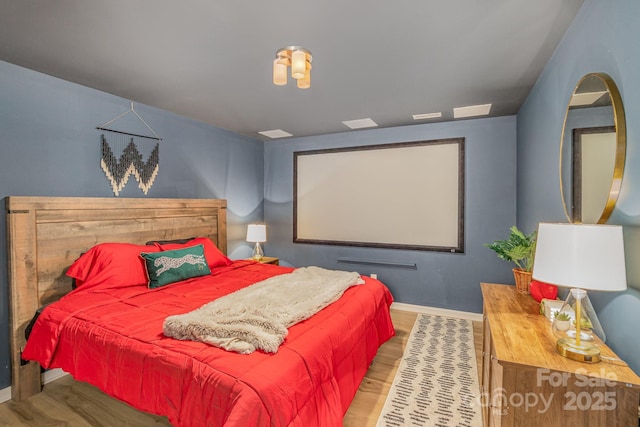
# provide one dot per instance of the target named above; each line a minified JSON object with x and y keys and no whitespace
{"x":173,"y":266}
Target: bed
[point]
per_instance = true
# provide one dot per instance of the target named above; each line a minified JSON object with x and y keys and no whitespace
{"x":111,"y":335}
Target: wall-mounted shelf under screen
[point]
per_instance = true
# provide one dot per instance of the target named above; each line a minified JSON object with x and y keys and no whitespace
{"x":402,"y":196}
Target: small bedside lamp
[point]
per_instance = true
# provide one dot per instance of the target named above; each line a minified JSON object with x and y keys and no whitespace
{"x":582,"y":257}
{"x":257,"y":233}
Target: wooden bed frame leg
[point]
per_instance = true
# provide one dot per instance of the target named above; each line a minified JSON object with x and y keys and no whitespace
{"x":26,"y":380}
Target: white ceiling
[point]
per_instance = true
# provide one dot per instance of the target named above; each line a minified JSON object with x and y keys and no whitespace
{"x":211,"y":60}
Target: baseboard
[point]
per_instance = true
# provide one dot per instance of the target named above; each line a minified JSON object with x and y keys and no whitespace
{"x":52,"y":375}
{"x":47,"y":377}
{"x":5,"y":394}
{"x":437,"y":311}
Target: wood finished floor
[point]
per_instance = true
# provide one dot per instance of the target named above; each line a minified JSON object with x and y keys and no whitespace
{"x":65,"y":402}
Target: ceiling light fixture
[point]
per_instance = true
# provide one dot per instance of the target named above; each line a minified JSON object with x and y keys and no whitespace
{"x":299,"y":59}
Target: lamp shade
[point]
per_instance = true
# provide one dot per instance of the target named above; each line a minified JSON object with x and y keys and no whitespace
{"x":279,"y":71}
{"x":298,"y":64}
{"x":257,"y":233}
{"x":586,"y":256}
{"x":305,"y":82}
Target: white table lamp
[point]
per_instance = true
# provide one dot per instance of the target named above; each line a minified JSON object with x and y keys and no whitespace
{"x":582,"y":257}
{"x":257,"y":233}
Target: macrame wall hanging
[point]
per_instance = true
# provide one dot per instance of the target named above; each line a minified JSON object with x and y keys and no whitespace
{"x":131,"y":149}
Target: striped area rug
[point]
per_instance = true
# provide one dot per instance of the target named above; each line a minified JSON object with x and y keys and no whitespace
{"x":437,"y":380}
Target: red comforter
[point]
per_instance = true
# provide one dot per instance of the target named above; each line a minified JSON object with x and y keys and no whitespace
{"x":112,"y":338}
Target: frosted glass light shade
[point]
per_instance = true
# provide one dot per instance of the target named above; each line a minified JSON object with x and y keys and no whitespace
{"x":586,"y":256}
{"x":305,"y":81}
{"x":298,"y":64}
{"x":279,"y":72}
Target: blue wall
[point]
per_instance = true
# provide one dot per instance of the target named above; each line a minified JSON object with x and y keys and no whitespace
{"x":49,"y":147}
{"x":602,"y":38}
{"x":441,"y":279}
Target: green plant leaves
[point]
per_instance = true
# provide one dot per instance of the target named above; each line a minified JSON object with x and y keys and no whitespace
{"x":519,"y":248}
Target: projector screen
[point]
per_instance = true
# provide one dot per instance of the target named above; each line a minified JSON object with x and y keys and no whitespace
{"x":404,"y":195}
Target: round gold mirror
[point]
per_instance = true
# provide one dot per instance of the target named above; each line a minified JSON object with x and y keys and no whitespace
{"x":592,"y":150}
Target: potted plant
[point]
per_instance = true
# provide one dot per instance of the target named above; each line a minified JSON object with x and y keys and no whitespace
{"x":519,"y":248}
{"x":562,"y":321}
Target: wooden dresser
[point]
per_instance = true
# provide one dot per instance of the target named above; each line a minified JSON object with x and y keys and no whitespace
{"x":525,"y":382}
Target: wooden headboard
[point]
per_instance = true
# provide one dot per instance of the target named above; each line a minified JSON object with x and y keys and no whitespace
{"x":46,"y":234}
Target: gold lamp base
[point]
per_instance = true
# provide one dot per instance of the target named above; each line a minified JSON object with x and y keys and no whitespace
{"x":585,"y":352}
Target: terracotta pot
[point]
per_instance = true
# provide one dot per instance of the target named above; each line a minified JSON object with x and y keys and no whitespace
{"x":523,"y":279}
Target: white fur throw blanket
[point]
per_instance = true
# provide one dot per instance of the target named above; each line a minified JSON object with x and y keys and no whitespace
{"x":257,"y":317}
